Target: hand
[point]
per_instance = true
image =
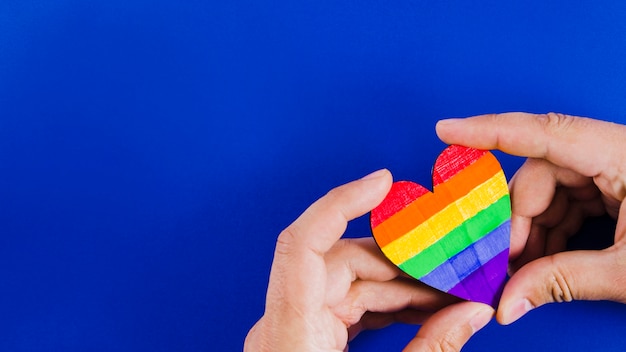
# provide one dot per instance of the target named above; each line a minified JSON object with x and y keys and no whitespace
{"x":322,"y":291}
{"x":576,"y":168}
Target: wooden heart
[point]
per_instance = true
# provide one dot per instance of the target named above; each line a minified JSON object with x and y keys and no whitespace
{"x":456,"y":238}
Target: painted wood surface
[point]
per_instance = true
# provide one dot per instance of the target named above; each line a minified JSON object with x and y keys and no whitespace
{"x":456,"y":238}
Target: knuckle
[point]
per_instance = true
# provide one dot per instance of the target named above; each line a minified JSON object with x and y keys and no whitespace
{"x":344,"y":245}
{"x":343,"y":250}
{"x":353,"y":308}
{"x":537,"y":167}
{"x":357,"y":307}
{"x":617,"y":180}
{"x":286,"y":241}
{"x":444,"y":345}
{"x":334,"y":194}
{"x":556,"y":123}
{"x":447,"y":343}
{"x":555,"y":126}
{"x":495,"y":120}
{"x":334,"y":201}
{"x":560,"y":285}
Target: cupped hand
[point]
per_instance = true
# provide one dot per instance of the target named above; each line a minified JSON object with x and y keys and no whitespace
{"x":576,"y":168}
{"x":323,"y":291}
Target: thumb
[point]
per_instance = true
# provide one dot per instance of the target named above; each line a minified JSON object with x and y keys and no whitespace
{"x":450,"y":328}
{"x":563,"y":277}
{"x":298,"y":274}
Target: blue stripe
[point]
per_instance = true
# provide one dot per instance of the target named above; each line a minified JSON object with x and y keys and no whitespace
{"x":451,"y":272}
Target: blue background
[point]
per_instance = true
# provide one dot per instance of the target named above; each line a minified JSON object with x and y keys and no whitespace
{"x":151,"y":151}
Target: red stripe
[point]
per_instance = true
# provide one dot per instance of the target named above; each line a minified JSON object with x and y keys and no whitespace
{"x":402,"y":194}
{"x":453,"y":159}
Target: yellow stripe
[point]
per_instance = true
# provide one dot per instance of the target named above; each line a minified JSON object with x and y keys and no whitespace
{"x":453,"y":215}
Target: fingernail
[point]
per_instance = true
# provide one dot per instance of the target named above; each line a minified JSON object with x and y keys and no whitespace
{"x":518,"y":309}
{"x":448,"y":121}
{"x":375,"y":174}
{"x":482,"y":318}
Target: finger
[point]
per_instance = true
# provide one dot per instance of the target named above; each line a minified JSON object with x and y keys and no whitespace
{"x":556,"y":211}
{"x":359,"y":258}
{"x":389,"y":296}
{"x":375,"y":320}
{"x":552,"y":229}
{"x":534,"y":198}
{"x":535,"y":248}
{"x":321,"y":225}
{"x":352,"y":259}
{"x":584,"y":201}
{"x":537,"y":237}
{"x":563,"y":277}
{"x":567,"y":141}
{"x":542,"y":224}
{"x":585,"y":193}
{"x":450,"y":328}
{"x":570,"y":224}
{"x":529,"y":199}
{"x":298,"y":275}
{"x":620,"y":227}
{"x":521,"y":225}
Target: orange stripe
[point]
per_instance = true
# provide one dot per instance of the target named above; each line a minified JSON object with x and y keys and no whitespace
{"x":427,"y":205}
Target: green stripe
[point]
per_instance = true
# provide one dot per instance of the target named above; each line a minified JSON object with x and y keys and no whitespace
{"x":470,"y":231}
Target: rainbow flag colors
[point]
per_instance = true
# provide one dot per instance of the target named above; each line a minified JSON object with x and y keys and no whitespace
{"x":456,"y":238}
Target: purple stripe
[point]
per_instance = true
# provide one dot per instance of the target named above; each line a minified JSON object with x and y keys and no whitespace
{"x":485,"y":284}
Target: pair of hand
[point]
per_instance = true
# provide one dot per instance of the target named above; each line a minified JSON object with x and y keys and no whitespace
{"x":323,"y":290}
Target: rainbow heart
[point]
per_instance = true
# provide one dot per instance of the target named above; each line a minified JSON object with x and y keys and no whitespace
{"x":456,"y":238}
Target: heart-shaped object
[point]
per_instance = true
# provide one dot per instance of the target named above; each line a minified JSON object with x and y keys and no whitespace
{"x":456,"y":238}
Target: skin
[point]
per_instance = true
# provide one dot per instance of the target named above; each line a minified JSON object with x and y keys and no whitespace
{"x":576,"y":168}
{"x":323,"y":291}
